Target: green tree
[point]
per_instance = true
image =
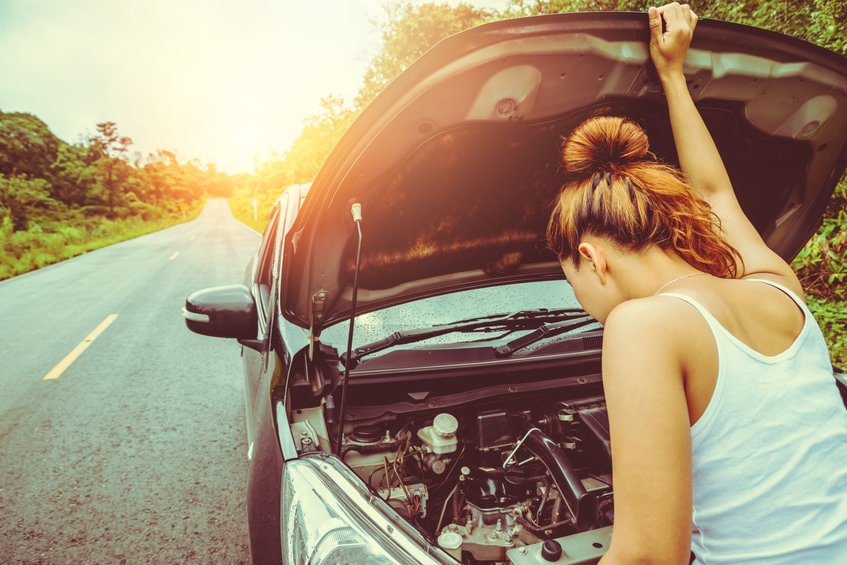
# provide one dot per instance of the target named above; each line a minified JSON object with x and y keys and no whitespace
{"x":319,"y":135}
{"x":521,"y":8}
{"x":20,"y":196}
{"x":218,"y":184}
{"x":407,"y":32}
{"x":161,"y":179}
{"x":27,"y":146}
{"x":818,"y":21}
{"x":827,"y":25}
{"x":188,"y":186}
{"x":113,"y":171}
{"x":72,"y":174}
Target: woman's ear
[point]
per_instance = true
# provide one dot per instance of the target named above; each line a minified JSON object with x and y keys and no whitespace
{"x":595,"y":258}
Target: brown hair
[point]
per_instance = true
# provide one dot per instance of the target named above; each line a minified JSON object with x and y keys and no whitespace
{"x":619,"y":191}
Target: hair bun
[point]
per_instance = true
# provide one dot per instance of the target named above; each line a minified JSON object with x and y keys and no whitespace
{"x":604,"y":143}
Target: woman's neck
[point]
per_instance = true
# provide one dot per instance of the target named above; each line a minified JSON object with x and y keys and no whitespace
{"x":640,"y":273}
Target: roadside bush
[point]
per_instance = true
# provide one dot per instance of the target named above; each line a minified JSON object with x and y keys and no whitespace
{"x":19,"y":243}
{"x":832,"y":318}
{"x":821,"y":263}
{"x":72,"y":234}
{"x":103,"y":229}
{"x":51,"y":245}
{"x":145,"y":211}
{"x":95,"y":211}
{"x":822,"y":268}
{"x":42,"y":258}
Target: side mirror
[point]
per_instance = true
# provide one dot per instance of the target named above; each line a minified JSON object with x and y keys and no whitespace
{"x":222,"y":311}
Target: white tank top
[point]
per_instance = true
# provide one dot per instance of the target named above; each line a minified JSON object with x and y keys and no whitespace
{"x":769,"y":454}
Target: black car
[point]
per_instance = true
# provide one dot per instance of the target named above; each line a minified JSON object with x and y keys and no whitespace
{"x":460,"y":415}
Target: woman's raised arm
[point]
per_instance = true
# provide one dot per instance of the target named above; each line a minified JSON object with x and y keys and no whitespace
{"x":698,"y":155}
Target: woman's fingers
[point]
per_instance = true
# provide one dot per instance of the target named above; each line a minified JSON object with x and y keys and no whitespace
{"x":655,"y":19}
{"x":678,"y":17}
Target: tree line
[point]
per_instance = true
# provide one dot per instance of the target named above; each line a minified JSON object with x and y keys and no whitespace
{"x":60,"y":199}
{"x":44,"y":179}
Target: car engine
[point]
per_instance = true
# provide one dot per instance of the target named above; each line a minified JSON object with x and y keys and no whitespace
{"x":530,"y":483}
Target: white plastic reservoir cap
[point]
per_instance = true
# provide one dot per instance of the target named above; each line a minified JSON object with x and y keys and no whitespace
{"x":450,"y":540}
{"x":445,"y":425}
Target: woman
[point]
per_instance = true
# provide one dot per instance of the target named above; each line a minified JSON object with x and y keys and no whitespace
{"x":729,"y":439}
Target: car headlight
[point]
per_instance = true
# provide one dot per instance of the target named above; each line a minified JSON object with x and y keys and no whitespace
{"x":330,"y":517}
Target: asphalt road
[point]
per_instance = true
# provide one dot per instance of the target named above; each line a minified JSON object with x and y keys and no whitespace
{"x":134,"y":451}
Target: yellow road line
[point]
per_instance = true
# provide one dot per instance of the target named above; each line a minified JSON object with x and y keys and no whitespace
{"x":174,"y":256}
{"x":77,"y":351}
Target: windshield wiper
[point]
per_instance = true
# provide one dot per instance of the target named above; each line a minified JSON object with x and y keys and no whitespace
{"x":543,"y":332}
{"x":524,"y":319}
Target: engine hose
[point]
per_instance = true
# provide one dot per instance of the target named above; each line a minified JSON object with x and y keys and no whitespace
{"x":582,"y":504}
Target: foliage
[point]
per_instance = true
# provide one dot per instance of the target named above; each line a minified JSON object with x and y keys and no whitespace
{"x":42,"y":174}
{"x":73,"y":175}
{"x":27,"y":146}
{"x":831,"y":315}
{"x":58,"y":199}
{"x":39,"y":246}
{"x":817,"y":21}
{"x":822,"y":263}
{"x":113,"y":172}
{"x":241,"y":205}
{"x":20,"y":196}
{"x":822,"y":268}
{"x":320,"y":134}
{"x":521,"y":8}
{"x":407,"y":32}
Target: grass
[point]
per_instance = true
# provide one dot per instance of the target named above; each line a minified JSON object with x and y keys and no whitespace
{"x":242,"y":209}
{"x":51,"y":242}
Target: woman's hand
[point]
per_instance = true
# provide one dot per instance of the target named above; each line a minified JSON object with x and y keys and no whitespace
{"x":668,"y":47}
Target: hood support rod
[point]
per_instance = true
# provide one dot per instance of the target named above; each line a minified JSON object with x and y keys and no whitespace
{"x":356,"y":211}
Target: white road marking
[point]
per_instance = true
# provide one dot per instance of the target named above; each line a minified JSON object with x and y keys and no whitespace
{"x":174,"y":256}
{"x":77,"y":351}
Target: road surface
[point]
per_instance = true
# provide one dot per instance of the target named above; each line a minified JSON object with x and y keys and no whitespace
{"x":122,"y":433}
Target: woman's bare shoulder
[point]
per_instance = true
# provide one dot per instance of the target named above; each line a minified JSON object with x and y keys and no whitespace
{"x":649,"y":312}
{"x":654,"y":323}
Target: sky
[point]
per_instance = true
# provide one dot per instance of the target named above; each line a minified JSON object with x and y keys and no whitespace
{"x":222,"y":81}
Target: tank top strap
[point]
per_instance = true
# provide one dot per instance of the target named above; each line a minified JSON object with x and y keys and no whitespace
{"x":713,"y":323}
{"x":797,"y":300}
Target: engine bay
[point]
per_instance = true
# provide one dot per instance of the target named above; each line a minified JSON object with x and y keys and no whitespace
{"x":525,"y":481}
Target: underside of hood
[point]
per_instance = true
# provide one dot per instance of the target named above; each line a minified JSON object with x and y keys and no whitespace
{"x":456,"y":164}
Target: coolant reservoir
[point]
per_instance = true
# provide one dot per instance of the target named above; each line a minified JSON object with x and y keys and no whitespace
{"x":440,"y":437}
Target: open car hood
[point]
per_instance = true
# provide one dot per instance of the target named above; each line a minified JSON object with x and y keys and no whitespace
{"x":456,"y":163}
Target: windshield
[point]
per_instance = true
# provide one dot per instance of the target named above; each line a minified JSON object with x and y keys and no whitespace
{"x":503,"y":299}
